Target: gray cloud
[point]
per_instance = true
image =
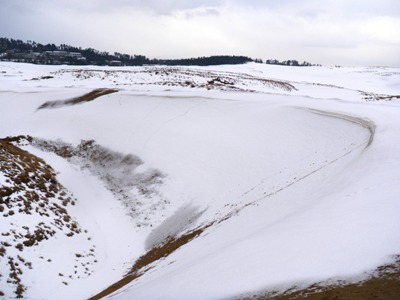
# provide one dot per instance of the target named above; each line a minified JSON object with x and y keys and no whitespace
{"x":163,"y":7}
{"x":313,"y":7}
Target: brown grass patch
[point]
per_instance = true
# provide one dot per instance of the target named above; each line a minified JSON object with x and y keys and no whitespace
{"x":77,"y":100}
{"x":383,"y":284}
{"x":31,"y":189}
{"x":143,"y":263}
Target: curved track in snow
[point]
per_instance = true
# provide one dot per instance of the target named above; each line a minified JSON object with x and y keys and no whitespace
{"x":368,"y":124}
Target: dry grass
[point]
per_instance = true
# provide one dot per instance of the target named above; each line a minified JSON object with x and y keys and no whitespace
{"x":384,"y":284}
{"x":389,"y":98}
{"x":144,"y":262}
{"x":191,"y":78}
{"x":31,"y":188}
{"x":368,"y":96}
{"x":81,"y":99}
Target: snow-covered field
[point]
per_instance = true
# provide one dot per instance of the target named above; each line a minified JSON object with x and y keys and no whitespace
{"x":287,"y":176}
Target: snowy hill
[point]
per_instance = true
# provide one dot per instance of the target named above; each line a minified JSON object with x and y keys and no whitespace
{"x":195,"y":182}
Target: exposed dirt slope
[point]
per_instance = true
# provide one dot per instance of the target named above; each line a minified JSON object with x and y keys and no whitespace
{"x":32,"y":193}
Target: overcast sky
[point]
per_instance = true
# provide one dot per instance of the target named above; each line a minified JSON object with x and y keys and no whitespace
{"x":345,"y":32}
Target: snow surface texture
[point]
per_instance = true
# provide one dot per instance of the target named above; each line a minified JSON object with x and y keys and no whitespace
{"x":117,"y":172}
{"x":292,"y":172}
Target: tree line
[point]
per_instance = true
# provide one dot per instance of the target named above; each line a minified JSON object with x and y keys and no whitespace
{"x":30,"y":51}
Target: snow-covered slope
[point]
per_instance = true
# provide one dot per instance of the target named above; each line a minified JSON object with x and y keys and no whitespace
{"x":200,"y":183}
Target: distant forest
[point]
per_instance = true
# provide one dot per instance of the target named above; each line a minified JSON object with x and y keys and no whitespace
{"x":32,"y":52}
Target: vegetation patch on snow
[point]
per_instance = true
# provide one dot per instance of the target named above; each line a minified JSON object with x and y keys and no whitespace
{"x":78,"y":100}
{"x":379,"y":97}
{"x":33,"y":208}
{"x":382,"y":283}
{"x":146,"y":261}
{"x":183,"y":77}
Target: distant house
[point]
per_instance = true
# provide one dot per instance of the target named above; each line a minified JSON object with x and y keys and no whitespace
{"x":57,"y":53}
{"x":75,"y":54}
{"x":115,"y":63}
